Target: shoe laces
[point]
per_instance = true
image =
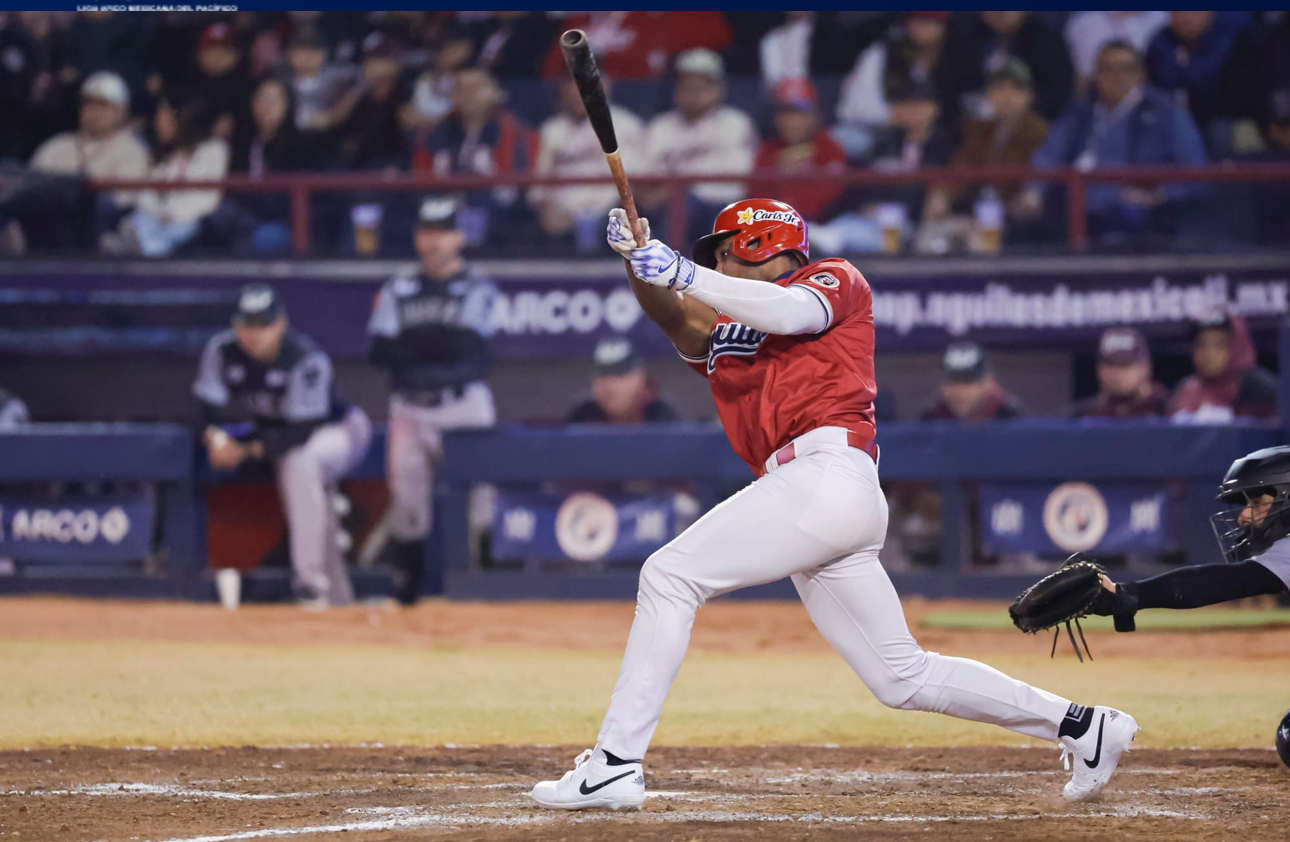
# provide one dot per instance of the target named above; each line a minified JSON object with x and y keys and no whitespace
{"x":1067,"y":752}
{"x":582,"y":758}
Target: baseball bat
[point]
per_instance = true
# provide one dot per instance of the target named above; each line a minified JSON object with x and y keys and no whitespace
{"x":585,"y":73}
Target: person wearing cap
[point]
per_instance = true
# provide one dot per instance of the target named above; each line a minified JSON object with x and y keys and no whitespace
{"x":370,"y":137}
{"x":800,"y":145}
{"x":430,"y":331}
{"x":323,"y":89}
{"x":977,"y":43}
{"x":219,"y":78}
{"x":1007,"y":137}
{"x":102,"y":146}
{"x":265,"y":371}
{"x":1125,"y":386}
{"x":621,"y":390}
{"x":567,"y":146}
{"x":700,"y":136}
{"x":969,"y":391}
{"x":1228,"y":382}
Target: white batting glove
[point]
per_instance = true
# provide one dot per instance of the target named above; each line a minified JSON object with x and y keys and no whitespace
{"x":658,"y":265}
{"x":620,"y":234}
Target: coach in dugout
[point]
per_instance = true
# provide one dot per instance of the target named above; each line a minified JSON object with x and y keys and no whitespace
{"x":282,"y":381}
{"x":621,"y":390}
{"x":430,"y":330}
{"x":1125,"y":386}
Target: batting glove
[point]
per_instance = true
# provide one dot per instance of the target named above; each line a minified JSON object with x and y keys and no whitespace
{"x":660,"y":266}
{"x":620,"y":234}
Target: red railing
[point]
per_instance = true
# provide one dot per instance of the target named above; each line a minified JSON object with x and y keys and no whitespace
{"x":301,"y":186}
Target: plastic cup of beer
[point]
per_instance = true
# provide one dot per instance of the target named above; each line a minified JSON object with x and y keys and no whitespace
{"x":892,"y":220}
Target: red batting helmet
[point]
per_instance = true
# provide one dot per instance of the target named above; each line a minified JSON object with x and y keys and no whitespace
{"x":760,"y":228}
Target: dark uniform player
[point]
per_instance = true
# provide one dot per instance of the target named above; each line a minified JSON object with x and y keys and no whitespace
{"x":1253,"y":533}
{"x":283,"y":382}
{"x":621,"y":392}
{"x":431,"y":331}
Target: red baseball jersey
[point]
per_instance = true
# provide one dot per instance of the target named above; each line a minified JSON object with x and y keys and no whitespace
{"x":771,"y":389}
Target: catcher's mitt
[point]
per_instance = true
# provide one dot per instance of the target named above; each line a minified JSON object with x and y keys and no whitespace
{"x":1060,"y":598}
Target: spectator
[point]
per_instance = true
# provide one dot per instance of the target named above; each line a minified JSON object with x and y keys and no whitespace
{"x":800,"y":146}
{"x":110,"y":41}
{"x":911,"y":53}
{"x":23,"y":64}
{"x":1125,"y":386}
{"x":479,"y":137}
{"x":185,"y":151}
{"x":1271,"y":200}
{"x":970,"y":392}
{"x":621,"y":391}
{"x":1228,"y":383}
{"x":510,"y":45}
{"x":1009,"y":137}
{"x":567,"y":146}
{"x":103,"y":146}
{"x":13,"y":412}
{"x":322,"y":90}
{"x":701,"y":136}
{"x":1121,"y":123}
{"x":371,"y":136}
{"x":639,"y":45}
{"x":1209,"y":61}
{"x":1086,"y":32}
{"x":978,"y":44}
{"x":220,"y":80}
{"x":450,"y":50}
{"x":43,"y":112}
{"x":275,"y":146}
{"x":786,"y":50}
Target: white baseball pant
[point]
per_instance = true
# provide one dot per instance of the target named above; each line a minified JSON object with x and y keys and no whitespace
{"x":306,"y":478}
{"x":416,"y":444}
{"x":820,"y":519}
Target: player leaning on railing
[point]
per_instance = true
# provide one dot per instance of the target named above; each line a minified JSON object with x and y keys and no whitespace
{"x":787,"y":346}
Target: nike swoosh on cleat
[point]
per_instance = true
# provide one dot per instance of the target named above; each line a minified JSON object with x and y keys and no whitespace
{"x":586,"y":790}
{"x":1097,"y":754}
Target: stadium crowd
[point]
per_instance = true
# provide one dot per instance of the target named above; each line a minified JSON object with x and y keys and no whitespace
{"x":184,"y":97}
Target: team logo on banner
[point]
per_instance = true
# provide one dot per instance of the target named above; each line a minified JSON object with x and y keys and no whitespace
{"x":1075,"y":517}
{"x":586,"y":526}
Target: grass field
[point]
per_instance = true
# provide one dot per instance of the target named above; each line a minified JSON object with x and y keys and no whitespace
{"x":184,"y":723}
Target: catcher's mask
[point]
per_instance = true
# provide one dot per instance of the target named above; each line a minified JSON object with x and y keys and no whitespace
{"x":1262,"y":473}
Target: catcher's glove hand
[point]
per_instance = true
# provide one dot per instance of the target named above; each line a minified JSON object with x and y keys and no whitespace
{"x":1060,"y":598}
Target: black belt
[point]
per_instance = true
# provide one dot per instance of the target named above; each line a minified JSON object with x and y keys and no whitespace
{"x":431,"y":397}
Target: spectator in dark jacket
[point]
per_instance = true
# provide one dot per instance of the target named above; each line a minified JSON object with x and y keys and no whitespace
{"x":1122,"y":123}
{"x":1125,"y":387}
{"x":24,"y":62}
{"x":115,"y":41}
{"x":979,"y":43}
{"x":220,"y":80}
{"x":621,"y":392}
{"x":1228,"y":383}
{"x":371,"y":137}
{"x":1210,"y":62}
{"x":970,"y":392}
{"x":480,"y":138}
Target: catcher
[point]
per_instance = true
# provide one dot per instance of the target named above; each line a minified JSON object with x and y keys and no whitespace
{"x":1253,"y":532}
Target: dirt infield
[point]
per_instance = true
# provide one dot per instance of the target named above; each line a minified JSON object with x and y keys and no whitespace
{"x":366,"y":795}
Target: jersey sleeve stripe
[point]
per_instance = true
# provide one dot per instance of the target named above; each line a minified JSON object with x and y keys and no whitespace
{"x":690,"y":359}
{"x":824,"y":302}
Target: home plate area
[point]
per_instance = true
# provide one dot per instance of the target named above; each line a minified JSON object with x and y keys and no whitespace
{"x":468,"y":793}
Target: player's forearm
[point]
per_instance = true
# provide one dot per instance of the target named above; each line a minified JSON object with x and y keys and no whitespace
{"x":762,"y":306}
{"x":1206,"y":584}
{"x":664,"y":307}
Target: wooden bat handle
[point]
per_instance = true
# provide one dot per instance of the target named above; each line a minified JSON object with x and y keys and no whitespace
{"x":625,"y":195}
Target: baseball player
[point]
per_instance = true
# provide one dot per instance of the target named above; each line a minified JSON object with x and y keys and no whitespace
{"x":1253,"y":532}
{"x":431,"y":331}
{"x":787,"y":346}
{"x":263,"y":369}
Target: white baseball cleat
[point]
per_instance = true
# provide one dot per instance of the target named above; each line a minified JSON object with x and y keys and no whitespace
{"x":1097,"y":753}
{"x":595,"y":782}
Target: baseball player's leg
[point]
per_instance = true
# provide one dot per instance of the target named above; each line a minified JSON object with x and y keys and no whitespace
{"x":408,"y":470}
{"x":853,"y":604}
{"x":808,"y":512}
{"x":306,"y":476}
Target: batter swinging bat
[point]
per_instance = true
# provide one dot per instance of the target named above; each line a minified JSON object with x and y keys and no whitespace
{"x":582,"y":66}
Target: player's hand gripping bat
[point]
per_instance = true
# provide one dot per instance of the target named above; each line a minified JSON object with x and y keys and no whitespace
{"x":582,"y":66}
